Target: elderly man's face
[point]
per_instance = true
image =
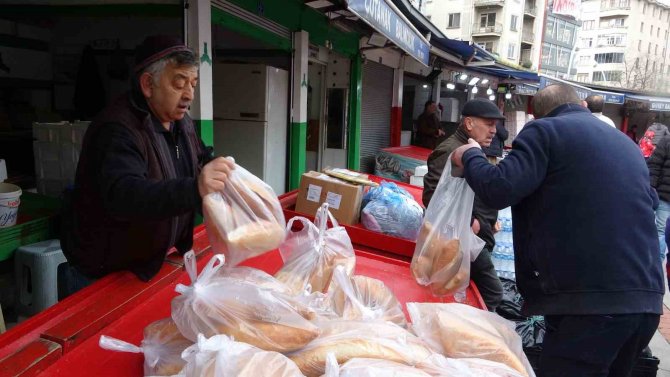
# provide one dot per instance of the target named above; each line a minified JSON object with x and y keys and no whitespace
{"x":171,"y":96}
{"x":481,"y":129}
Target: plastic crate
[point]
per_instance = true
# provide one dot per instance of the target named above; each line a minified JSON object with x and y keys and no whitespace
{"x":645,"y":366}
{"x":37,"y":221}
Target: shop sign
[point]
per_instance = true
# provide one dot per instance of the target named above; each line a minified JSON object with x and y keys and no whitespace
{"x":659,"y":106}
{"x":525,"y":90}
{"x":614,"y":98}
{"x":387,"y":21}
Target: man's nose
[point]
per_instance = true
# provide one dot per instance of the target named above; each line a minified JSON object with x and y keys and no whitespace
{"x":189,"y":93}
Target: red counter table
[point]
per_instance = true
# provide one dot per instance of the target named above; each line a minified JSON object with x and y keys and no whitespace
{"x":361,"y":237}
{"x":63,"y":341}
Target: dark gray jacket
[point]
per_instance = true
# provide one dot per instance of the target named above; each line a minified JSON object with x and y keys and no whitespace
{"x":659,"y":169}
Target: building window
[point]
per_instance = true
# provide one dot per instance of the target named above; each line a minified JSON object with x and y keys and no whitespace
{"x":651,"y":30}
{"x":583,"y":77}
{"x":669,"y":70}
{"x":612,"y":22}
{"x":587,"y":42}
{"x":549,"y":30}
{"x":658,"y":32}
{"x":588,"y":25}
{"x":644,"y":8}
{"x":511,"y":51}
{"x":487,"y":19}
{"x":584,"y":59}
{"x":641,"y":27}
{"x":514,"y":21}
{"x":607,"y":76}
{"x":654,"y":67}
{"x":656,"y":50}
{"x":649,"y":48}
{"x":454,"y":20}
{"x":639,"y":45}
{"x":612,"y":40}
{"x":488,"y":46}
{"x":653,"y":11}
{"x":609,"y":57}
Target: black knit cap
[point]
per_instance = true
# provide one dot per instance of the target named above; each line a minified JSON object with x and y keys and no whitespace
{"x":156,"y":47}
{"x":481,"y":108}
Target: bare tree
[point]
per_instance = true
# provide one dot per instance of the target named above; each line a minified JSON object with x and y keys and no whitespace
{"x":644,"y":72}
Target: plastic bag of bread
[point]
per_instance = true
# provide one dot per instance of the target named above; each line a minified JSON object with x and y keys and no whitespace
{"x":359,"y":339}
{"x":364,"y":298}
{"x":461,"y":331}
{"x":361,"y":367}
{"x":220,"y":356}
{"x":446,"y":244}
{"x":245,"y":219}
{"x":311,"y":254}
{"x":439,"y":366}
{"x":162,"y":347}
{"x":217,"y":304}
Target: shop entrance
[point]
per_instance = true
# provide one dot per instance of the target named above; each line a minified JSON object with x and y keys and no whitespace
{"x":327,"y":109}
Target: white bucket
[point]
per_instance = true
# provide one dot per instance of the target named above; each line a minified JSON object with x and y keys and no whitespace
{"x":9,"y":204}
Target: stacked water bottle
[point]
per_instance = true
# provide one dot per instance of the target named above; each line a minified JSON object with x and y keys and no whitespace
{"x":503,"y":253}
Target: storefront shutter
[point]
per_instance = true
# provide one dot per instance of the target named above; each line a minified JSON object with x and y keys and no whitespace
{"x":375,"y":112}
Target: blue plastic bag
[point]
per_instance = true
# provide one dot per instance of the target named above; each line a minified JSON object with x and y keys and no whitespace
{"x":391,"y":210}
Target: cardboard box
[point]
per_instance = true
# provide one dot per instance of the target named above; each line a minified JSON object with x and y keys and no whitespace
{"x":344,"y":199}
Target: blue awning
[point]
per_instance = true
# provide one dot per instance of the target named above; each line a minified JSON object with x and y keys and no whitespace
{"x":508,"y":73}
{"x":655,"y":103}
{"x":583,"y":91}
{"x":384,"y":16}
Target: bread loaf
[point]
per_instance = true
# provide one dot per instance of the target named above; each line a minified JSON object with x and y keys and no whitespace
{"x":259,"y":316}
{"x":163,"y":345}
{"x":256,"y":237}
{"x":460,"y":331}
{"x":315,"y":270}
{"x":377,"y":367}
{"x":374,"y":295}
{"x":359,"y":339}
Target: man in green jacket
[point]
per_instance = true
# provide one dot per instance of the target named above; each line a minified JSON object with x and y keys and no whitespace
{"x":478,"y":121}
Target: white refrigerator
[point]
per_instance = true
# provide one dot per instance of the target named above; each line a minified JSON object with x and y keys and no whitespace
{"x":251,"y":119}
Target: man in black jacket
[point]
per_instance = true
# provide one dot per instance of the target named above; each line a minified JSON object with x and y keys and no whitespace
{"x":479,"y":118}
{"x":585,"y":242}
{"x":428,"y":130}
{"x":495,"y":150}
{"x":141,"y":174}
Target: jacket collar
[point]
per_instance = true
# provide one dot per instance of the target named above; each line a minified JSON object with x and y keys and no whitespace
{"x":567,"y":108}
{"x":461,"y":135}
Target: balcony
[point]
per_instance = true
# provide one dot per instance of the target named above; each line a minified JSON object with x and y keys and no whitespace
{"x":480,"y":30}
{"x":529,"y":11}
{"x":527,"y":37}
{"x":616,"y":10}
{"x":489,"y":3}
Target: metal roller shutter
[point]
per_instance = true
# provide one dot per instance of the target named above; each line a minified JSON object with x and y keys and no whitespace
{"x":375,"y":112}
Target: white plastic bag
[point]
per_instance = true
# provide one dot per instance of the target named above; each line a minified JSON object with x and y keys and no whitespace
{"x":439,"y":366}
{"x":364,"y":298}
{"x":359,"y":339}
{"x":311,"y":254}
{"x":361,"y":367}
{"x":162,"y":347}
{"x":461,"y":331}
{"x":245,"y":220}
{"x":219,"y":304}
{"x":220,"y":356}
{"x":446,"y":244}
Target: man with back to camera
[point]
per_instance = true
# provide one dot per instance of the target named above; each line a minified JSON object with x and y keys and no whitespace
{"x":586,"y":251}
{"x":595,"y":104}
{"x":479,"y":119}
{"x":142,"y":173}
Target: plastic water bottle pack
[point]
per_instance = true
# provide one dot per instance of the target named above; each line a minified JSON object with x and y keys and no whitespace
{"x":503,"y":253}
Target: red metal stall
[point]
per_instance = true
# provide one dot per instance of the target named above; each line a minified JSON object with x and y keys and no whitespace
{"x":361,"y":237}
{"x":64,"y":339}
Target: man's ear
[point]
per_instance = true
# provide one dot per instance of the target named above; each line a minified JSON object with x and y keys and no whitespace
{"x":584,"y":104}
{"x":146,"y":84}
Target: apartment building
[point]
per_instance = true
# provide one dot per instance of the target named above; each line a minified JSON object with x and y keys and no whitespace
{"x":624,"y":43}
{"x":511,"y":29}
{"x":559,"y":46}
